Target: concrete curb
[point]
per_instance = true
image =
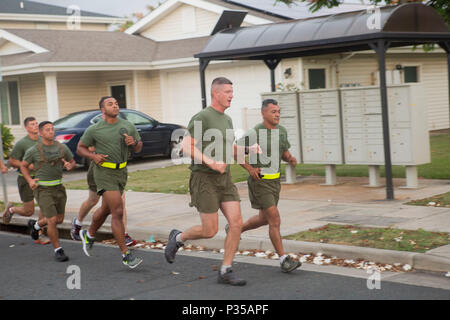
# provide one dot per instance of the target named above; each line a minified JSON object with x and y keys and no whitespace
{"x":419,"y":261}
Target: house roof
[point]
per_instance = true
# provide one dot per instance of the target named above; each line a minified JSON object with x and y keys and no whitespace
{"x":32,"y":8}
{"x":66,"y":46}
{"x":82,"y":46}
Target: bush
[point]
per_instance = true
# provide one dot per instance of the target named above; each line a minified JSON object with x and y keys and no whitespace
{"x":7,"y":139}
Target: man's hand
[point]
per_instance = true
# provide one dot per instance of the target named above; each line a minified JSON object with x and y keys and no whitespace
{"x":99,"y":158}
{"x":68,"y":165}
{"x":292,"y":161}
{"x":33,"y":183}
{"x":254,"y":149}
{"x":218,"y":166}
{"x":4,"y":169}
{"x":129,"y":140}
{"x":254,"y":172}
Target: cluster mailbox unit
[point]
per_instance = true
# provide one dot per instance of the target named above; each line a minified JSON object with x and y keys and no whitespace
{"x":344,"y":126}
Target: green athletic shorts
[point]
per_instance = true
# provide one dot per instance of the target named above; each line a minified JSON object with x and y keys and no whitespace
{"x":110,"y":179}
{"x":263,"y":193}
{"x":51,"y":200}
{"x":25,"y":192}
{"x":90,"y":178}
{"x":209,"y":190}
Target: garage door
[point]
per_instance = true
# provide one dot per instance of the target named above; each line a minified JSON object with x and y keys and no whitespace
{"x":183,"y":90}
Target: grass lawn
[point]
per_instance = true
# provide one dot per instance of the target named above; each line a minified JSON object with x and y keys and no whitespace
{"x":175,"y":179}
{"x":380,"y":238}
{"x":440,"y":200}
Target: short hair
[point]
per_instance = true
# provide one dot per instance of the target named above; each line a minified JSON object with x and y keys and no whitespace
{"x":28,"y":119}
{"x":102,"y":99}
{"x":266,"y":102}
{"x":43,"y":123}
{"x":220,"y":80}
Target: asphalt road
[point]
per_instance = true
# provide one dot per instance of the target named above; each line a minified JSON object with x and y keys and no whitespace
{"x":29,"y":271}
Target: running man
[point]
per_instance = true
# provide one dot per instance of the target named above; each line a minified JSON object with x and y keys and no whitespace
{"x":48,"y":158}
{"x":210,"y":183}
{"x":112,"y":137}
{"x":89,"y":203}
{"x":264,"y":180}
{"x":26,"y":194}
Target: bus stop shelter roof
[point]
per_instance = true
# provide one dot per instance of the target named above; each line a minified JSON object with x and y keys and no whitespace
{"x":403,"y":25}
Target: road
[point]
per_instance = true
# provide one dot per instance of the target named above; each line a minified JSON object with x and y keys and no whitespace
{"x":29,"y":271}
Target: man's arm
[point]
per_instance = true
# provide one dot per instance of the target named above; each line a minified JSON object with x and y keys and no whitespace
{"x":254,"y":172}
{"x":24,"y":168}
{"x":189,"y":149}
{"x":132,"y":142}
{"x":3,"y":167}
{"x":83,"y":151}
{"x":289,"y":158}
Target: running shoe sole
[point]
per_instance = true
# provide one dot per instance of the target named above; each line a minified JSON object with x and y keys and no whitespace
{"x":83,"y":235}
{"x":132,"y":266}
{"x":6,"y":214}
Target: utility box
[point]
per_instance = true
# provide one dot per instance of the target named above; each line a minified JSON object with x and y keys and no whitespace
{"x":320,"y":126}
{"x":363,"y":128}
{"x":289,"y":118}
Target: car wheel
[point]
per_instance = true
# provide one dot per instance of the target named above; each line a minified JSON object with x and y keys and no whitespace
{"x":174,"y":149}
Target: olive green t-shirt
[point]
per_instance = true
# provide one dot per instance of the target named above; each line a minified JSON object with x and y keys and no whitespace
{"x":109,"y":139}
{"x":214,"y":133}
{"x":18,"y":152}
{"x":268,"y":159}
{"x":52,"y":169}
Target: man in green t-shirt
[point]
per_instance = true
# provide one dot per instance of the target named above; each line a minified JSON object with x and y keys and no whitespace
{"x":48,"y":158}
{"x":264,"y":180}
{"x":210,"y":146}
{"x":26,"y":194}
{"x":112,"y":138}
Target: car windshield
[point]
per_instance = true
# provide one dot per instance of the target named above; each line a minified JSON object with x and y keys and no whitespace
{"x":70,"y":121}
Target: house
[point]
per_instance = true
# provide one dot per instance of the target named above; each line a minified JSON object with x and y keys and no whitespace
{"x":50,"y":73}
{"x":21,"y":14}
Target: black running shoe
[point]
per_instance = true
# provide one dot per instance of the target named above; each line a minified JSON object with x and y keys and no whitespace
{"x":131,"y":261}
{"x":61,"y":256}
{"x":33,"y":232}
{"x":289,"y":264}
{"x":75,"y":232}
{"x":172,"y":246}
{"x":230,"y":278}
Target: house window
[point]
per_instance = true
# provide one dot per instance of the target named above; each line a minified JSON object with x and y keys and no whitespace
{"x":120,"y":94}
{"x":411,"y":74}
{"x":316,"y":78}
{"x":9,"y":103}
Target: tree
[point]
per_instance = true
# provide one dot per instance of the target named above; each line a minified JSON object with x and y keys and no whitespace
{"x":136,"y":17}
{"x":7,"y":139}
{"x":442,"y":6}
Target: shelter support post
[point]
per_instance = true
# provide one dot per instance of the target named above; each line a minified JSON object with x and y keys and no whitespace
{"x":203,"y":64}
{"x":272,"y":65}
{"x":380,"y":48}
{"x":374,"y":176}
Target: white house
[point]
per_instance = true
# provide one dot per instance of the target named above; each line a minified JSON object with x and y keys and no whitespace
{"x":151,"y":68}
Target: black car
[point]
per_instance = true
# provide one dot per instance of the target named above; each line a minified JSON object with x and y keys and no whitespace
{"x":156,"y":136}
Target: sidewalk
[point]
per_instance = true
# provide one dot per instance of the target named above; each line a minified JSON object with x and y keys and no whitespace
{"x":304,"y":205}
